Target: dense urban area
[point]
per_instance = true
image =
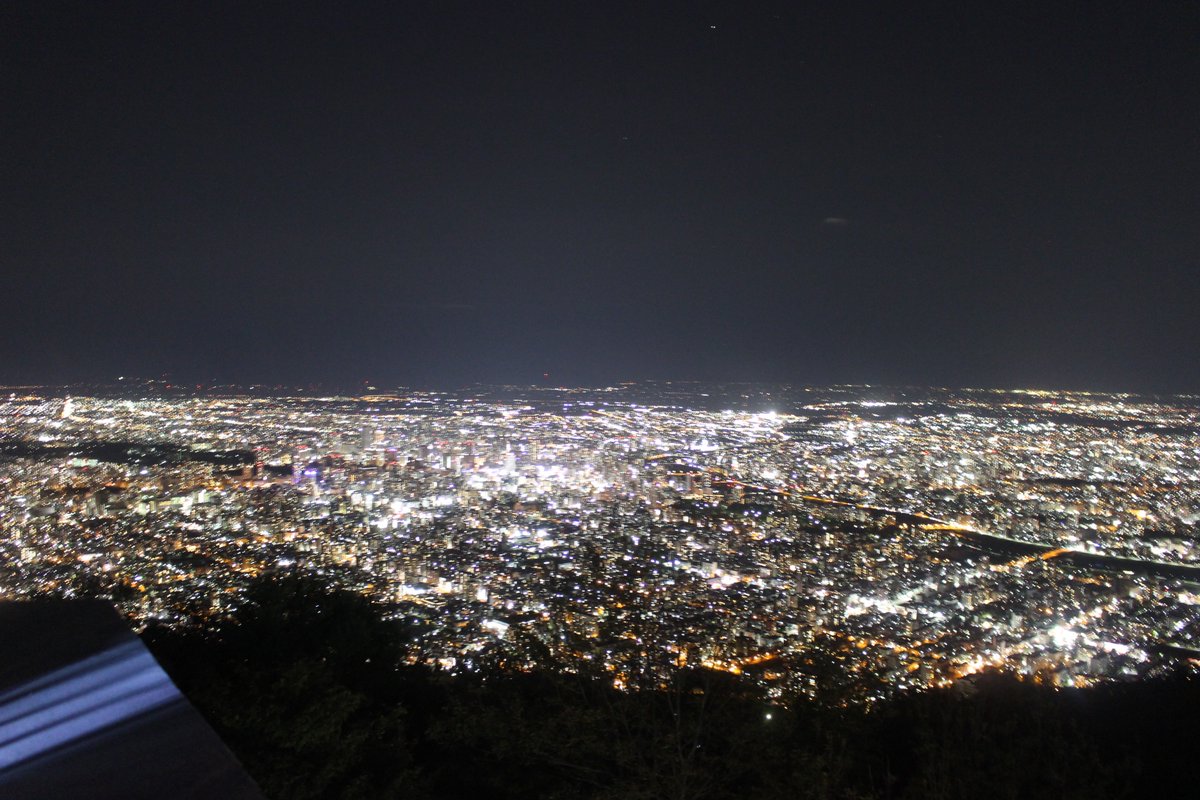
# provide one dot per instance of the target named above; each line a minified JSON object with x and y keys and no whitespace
{"x":856,"y":540}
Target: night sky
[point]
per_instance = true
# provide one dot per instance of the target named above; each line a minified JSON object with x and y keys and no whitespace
{"x":432,"y":194}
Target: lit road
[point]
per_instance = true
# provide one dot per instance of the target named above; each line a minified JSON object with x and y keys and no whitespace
{"x":1041,"y":550}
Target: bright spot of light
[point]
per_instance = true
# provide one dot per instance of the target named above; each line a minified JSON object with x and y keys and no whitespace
{"x":1063,"y":636}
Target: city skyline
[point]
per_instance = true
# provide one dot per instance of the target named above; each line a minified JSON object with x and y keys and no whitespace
{"x":821,"y":542}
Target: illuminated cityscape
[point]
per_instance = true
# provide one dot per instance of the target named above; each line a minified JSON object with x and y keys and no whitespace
{"x":603,"y":401}
{"x":854,"y":539}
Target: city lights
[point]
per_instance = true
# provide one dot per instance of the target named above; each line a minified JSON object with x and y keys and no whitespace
{"x":907,"y":538}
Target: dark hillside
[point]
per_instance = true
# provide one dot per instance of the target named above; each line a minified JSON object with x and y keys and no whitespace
{"x":306,"y":686}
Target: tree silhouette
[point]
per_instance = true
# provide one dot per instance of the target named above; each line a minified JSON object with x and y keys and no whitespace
{"x":304,"y":685}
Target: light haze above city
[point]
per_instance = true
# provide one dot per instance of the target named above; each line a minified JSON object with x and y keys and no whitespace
{"x":441,"y":194}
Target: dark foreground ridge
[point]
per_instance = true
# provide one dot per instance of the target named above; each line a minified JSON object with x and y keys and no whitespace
{"x":307,"y":685}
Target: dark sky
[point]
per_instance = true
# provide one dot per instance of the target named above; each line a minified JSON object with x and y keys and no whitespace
{"x":438,"y":193}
